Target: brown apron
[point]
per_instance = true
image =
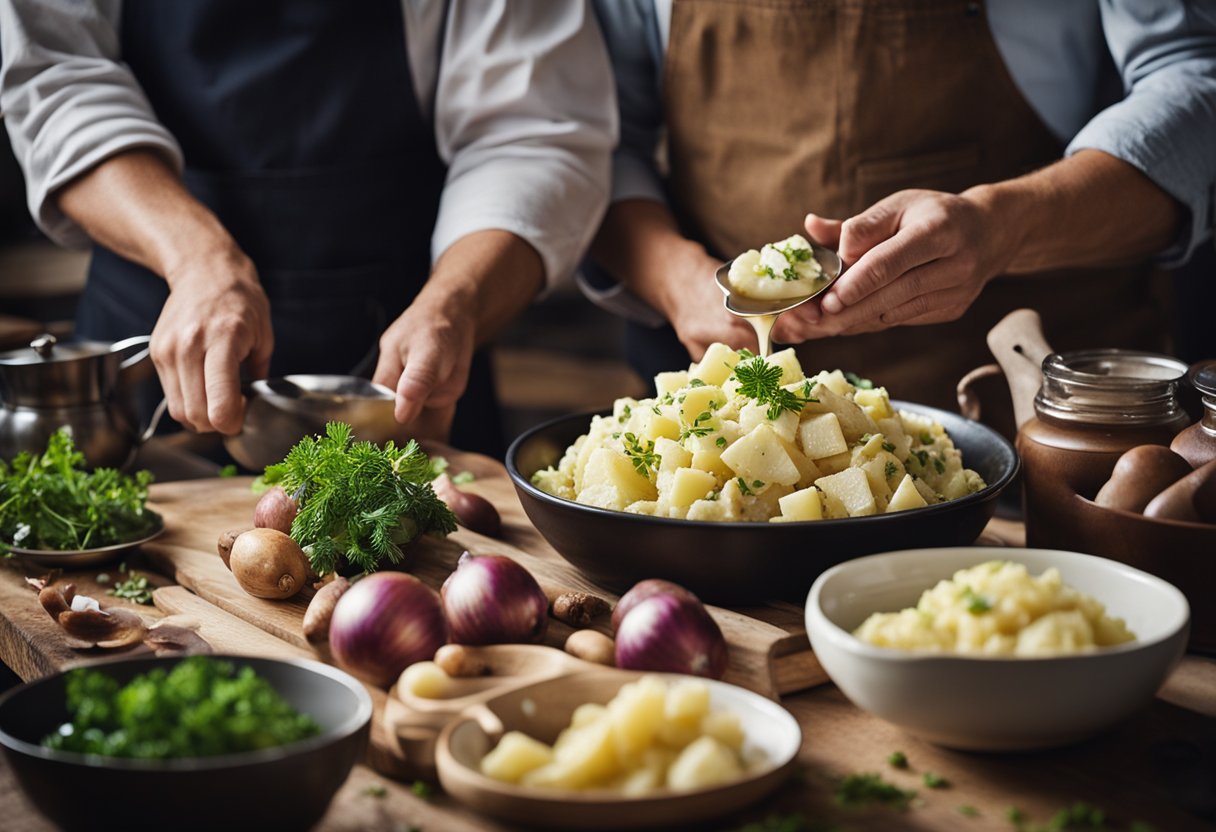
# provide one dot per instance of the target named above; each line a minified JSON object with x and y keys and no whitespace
{"x":779,"y":107}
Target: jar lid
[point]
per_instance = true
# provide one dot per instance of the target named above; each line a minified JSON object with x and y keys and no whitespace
{"x":1203,"y":377}
{"x":46,"y":349}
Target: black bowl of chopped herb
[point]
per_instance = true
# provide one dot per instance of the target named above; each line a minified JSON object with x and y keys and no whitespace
{"x":207,"y":742}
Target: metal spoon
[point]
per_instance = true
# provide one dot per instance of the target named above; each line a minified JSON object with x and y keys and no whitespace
{"x":762,"y":314}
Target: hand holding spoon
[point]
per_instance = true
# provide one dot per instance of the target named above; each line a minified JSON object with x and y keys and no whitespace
{"x":762,"y":313}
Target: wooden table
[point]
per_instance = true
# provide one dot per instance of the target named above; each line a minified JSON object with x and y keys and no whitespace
{"x":1159,"y":767}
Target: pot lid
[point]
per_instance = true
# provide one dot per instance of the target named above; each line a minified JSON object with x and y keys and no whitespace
{"x":46,"y":349}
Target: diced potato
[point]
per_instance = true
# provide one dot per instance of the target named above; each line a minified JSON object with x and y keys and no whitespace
{"x":876,"y":403}
{"x":699,"y":400}
{"x":806,"y":504}
{"x":653,"y":426}
{"x":642,"y":507}
{"x":622,"y":410}
{"x":608,"y":466}
{"x":834,"y":381}
{"x":926,"y":492}
{"x":852,"y":487}
{"x":515,"y":755}
{"x":711,"y":460}
{"x":956,"y":486}
{"x":710,"y":510}
{"x":691,"y":485}
{"x":754,"y":414}
{"x":820,"y":436}
{"x":677,"y":733}
{"x":636,"y":713}
{"x":833,"y":508}
{"x":906,"y":496}
{"x":892,"y":428}
{"x":705,"y":762}
{"x":642,"y":782}
{"x":716,"y":365}
{"x":854,"y":423}
{"x":870,"y":447}
{"x":670,"y":382}
{"x":426,"y":680}
{"x":791,"y":369}
{"x":760,"y":456}
{"x":687,"y":699}
{"x":672,"y":455}
{"x":587,"y":713}
{"x":808,"y":471}
{"x":587,"y":756}
{"x":725,"y":728}
{"x":834,"y":464}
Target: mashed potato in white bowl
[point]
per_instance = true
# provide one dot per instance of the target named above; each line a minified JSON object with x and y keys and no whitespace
{"x":996,"y":700}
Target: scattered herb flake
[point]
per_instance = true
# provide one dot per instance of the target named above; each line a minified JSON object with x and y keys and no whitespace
{"x":747,"y":492}
{"x":134,"y":588}
{"x":969,"y":811}
{"x":1015,"y":815}
{"x":1080,"y":815}
{"x":976,"y":604}
{"x":939,"y":465}
{"x":934,"y":781}
{"x":858,"y":790}
{"x":626,"y":412}
{"x":898,"y":759}
{"x":422,"y":789}
{"x":890,"y":469}
{"x":859,"y":382}
{"x":720,"y":441}
{"x":103,"y":578}
{"x":228,"y":470}
{"x":464,"y":478}
{"x":695,"y":382}
{"x":926,"y":438}
{"x":375,"y":790}
{"x":888,"y":447}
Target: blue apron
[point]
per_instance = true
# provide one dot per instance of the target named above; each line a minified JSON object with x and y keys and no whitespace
{"x":300,"y":130}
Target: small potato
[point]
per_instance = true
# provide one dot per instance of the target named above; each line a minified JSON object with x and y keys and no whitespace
{"x":592,"y":646}
{"x":321,"y":609}
{"x":426,"y":680}
{"x":1140,"y":474}
{"x":224,"y":545}
{"x":460,"y":661}
{"x":268,"y":564}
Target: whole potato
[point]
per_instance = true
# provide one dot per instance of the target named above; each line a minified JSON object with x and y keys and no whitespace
{"x":268,"y":564}
{"x":1141,"y":474}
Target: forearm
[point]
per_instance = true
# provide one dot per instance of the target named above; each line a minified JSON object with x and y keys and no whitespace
{"x":135,"y":205}
{"x":1090,"y":209}
{"x":641,"y":246}
{"x":494,"y":274}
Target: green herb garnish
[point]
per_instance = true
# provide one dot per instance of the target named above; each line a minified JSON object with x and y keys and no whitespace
{"x":359,"y":503}
{"x":463,"y":478}
{"x":859,"y":382}
{"x":889,"y":469}
{"x":626,"y":412}
{"x":898,"y":759}
{"x":865,"y":789}
{"x":760,"y":380}
{"x":720,"y":441}
{"x":925,"y":438}
{"x":1080,"y":815}
{"x":697,"y":428}
{"x":695,"y":382}
{"x":422,"y":789}
{"x":976,"y":604}
{"x":201,"y":707}
{"x":969,"y":811}
{"x":375,"y":790}
{"x":939,"y":466}
{"x":1015,"y":815}
{"x":888,"y":447}
{"x":934,"y":781}
{"x":48,"y":501}
{"x":743,"y":487}
{"x":642,"y":456}
{"x":134,"y":588}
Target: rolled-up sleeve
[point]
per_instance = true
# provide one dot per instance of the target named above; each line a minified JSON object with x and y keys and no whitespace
{"x":1166,"y":123}
{"x":68,"y":101}
{"x":525,"y":117}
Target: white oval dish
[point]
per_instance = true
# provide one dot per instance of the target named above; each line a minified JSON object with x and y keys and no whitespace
{"x":991,"y":703}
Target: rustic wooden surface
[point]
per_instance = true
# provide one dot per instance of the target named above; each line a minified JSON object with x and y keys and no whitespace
{"x":1154,"y":768}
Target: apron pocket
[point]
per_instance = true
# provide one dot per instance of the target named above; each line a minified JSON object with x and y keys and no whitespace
{"x":951,"y":171}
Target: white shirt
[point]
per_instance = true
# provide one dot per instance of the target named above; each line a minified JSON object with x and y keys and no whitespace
{"x":520,"y":98}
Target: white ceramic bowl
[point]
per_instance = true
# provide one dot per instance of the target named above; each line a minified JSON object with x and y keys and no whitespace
{"x":995,"y":704}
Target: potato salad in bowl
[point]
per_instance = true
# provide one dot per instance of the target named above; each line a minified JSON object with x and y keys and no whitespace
{"x":738,"y":438}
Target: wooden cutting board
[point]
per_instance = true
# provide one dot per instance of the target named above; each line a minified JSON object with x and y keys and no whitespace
{"x":769,"y":651}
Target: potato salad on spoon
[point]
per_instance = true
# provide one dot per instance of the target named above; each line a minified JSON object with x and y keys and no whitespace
{"x":781,"y":270}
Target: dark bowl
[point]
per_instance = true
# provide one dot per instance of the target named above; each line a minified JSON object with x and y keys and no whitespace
{"x":738,"y":563}
{"x":288,"y":787}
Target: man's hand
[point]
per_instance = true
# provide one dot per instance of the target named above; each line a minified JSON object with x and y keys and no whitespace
{"x":916,"y":257}
{"x":478,"y":285}
{"x":922,"y":257}
{"x":216,"y":318}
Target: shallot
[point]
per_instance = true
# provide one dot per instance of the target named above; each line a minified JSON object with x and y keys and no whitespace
{"x":646,"y":589}
{"x":384,"y":623}
{"x":491,"y":599}
{"x":670,"y":634}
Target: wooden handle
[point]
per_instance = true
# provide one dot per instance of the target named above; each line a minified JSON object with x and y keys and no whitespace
{"x":1018,"y":345}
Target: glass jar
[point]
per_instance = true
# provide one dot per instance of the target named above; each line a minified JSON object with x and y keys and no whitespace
{"x":1092,"y":406}
{"x":1197,"y":444}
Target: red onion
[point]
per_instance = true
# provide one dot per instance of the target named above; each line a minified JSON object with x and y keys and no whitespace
{"x":275,"y":510}
{"x":491,"y":599}
{"x":647,"y":589}
{"x":670,"y":634}
{"x":384,"y":623}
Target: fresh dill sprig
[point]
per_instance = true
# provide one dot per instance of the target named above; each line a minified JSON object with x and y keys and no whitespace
{"x":359,"y":503}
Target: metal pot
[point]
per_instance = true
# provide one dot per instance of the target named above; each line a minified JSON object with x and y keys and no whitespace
{"x":86,"y":386}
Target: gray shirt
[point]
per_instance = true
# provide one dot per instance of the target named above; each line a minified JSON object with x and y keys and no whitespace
{"x":1164,"y":124}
